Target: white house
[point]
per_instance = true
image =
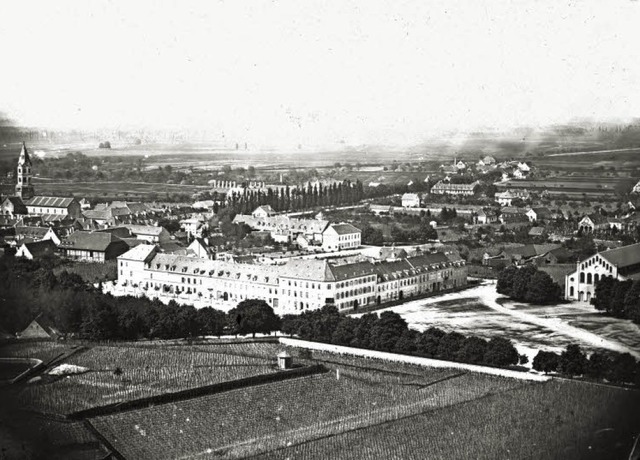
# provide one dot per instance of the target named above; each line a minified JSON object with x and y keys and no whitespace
{"x":337,"y":237}
{"x":636,"y":188}
{"x":524,"y":167}
{"x":410,"y":200}
{"x":150,"y":233}
{"x":263,"y":211}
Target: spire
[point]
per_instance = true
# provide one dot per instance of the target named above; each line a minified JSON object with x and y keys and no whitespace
{"x":24,"y":156}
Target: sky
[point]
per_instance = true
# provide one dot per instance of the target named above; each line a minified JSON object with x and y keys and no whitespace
{"x":317,"y":72}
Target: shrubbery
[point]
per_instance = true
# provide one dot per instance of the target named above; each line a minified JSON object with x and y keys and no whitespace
{"x":618,"y":298}
{"x":528,"y":284}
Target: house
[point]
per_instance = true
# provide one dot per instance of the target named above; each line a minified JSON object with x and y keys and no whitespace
{"x":513,"y":214}
{"x":85,"y":204}
{"x":487,"y":161}
{"x":29,"y":234}
{"x":200,"y":247}
{"x":337,"y":237}
{"x":593,"y":223}
{"x":507,"y":197}
{"x":519,"y":174}
{"x":263,"y":211}
{"x":538,"y":214}
{"x":36,"y":249}
{"x":524,"y":167}
{"x":193,"y":227}
{"x":204,"y":204}
{"x":150,"y":233}
{"x":379,"y":209}
{"x":13,"y":206}
{"x":410,"y":200}
{"x":93,"y":246}
{"x":461,"y":165}
{"x":443,"y":188}
{"x":536,"y":232}
{"x":59,"y":206}
{"x":620,"y":263}
{"x":486,"y":216}
{"x":636,"y":188}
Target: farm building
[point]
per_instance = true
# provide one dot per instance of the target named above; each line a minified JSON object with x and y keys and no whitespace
{"x":39,"y":328}
{"x":620,"y":263}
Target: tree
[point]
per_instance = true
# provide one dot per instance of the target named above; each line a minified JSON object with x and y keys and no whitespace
{"x":546,"y":361}
{"x":597,"y":365}
{"x":501,"y":352}
{"x":572,"y":361}
{"x":406,"y":344}
{"x":372,"y":236}
{"x":343,"y":334}
{"x":618,"y":295}
{"x":505,"y":280}
{"x":450,"y":345}
{"x":603,"y":293}
{"x":386,"y":331}
{"x":429,"y":341}
{"x":542,"y":289}
{"x":632,"y":303}
{"x":521,"y":280}
{"x":473,"y":350}
{"x":623,"y":368}
{"x":211,"y":321}
{"x":253,"y":316}
{"x":362,"y":332}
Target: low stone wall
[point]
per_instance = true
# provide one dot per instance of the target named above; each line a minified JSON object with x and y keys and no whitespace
{"x":428,"y":362}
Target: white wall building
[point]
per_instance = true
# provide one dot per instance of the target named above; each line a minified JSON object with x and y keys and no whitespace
{"x":410,"y":200}
{"x":337,"y":237}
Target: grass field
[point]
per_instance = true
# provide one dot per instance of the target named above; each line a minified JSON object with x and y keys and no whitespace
{"x":145,"y":371}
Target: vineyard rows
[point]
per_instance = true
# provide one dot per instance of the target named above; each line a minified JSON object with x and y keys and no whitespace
{"x":249,"y":421}
{"x":127,"y":373}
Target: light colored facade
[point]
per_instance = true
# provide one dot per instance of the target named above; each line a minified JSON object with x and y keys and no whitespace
{"x":338,"y":237}
{"x":444,"y":188}
{"x":150,"y":233}
{"x":46,"y":205}
{"x":506,"y":198}
{"x":410,"y":200}
{"x":294,"y":287}
{"x":618,"y":263}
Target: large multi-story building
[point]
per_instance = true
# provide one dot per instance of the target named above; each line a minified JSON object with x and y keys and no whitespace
{"x":296,"y":286}
{"x":619,"y":263}
{"x":447,"y":188}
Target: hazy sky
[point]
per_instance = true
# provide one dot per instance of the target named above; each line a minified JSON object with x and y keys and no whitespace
{"x":319,"y":71}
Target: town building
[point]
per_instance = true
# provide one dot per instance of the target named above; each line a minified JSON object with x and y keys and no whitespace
{"x":513,"y":214}
{"x":338,"y":237}
{"x":53,"y":205}
{"x":593,"y":223}
{"x":13,"y":206}
{"x":619,"y":263}
{"x":200,"y":248}
{"x":263,"y":211}
{"x":486,"y":216}
{"x":636,"y":188}
{"x":507,"y":197}
{"x":293,"y":287}
{"x":443,"y":188}
{"x":410,"y":200}
{"x":93,"y":246}
{"x":538,"y":214}
{"x":36,"y":249}
{"x":285,"y":229}
{"x":149,"y":233}
{"x":27,"y":234}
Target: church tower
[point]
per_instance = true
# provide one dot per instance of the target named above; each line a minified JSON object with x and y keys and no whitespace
{"x":24,"y":187}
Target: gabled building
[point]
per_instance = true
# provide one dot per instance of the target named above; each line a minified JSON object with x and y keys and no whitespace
{"x":36,"y":249}
{"x":30,"y":234}
{"x":486,"y":216}
{"x":538,"y":214}
{"x":443,"y":188}
{"x":150,"y":233}
{"x":593,"y":223}
{"x":507,"y":197}
{"x":410,"y":200}
{"x":200,"y":248}
{"x":338,"y":237}
{"x":93,"y":246}
{"x":619,"y":263}
{"x":13,"y":206}
{"x":39,"y":328}
{"x":263,"y":211}
{"x":53,"y":205}
{"x":513,"y":214}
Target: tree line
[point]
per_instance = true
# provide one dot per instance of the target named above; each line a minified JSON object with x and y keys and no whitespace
{"x":618,"y":298}
{"x":528,"y":284}
{"x":619,"y":368}
{"x":389,"y":332}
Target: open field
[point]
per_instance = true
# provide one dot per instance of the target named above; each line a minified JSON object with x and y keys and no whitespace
{"x":556,"y":419}
{"x":265,"y":417}
{"x":476,"y":311}
{"x":112,"y":189}
{"x":143,"y":372}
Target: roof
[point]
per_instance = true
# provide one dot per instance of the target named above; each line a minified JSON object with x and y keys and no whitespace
{"x":140,"y":252}
{"x":145,"y":229}
{"x":24,"y":159}
{"x":558,"y":272}
{"x":410,"y":196}
{"x":41,"y":248}
{"x":32,"y":232}
{"x":536,"y":231}
{"x":622,"y":257}
{"x":92,"y":241}
{"x":51,"y":201}
{"x":344,"y":229}
{"x":513,"y":210}
{"x":596,"y":218}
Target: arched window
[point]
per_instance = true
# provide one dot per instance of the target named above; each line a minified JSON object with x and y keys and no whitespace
{"x":596,"y":278}
{"x":582,"y":277}
{"x":589,"y":280}
{"x":571,"y":291}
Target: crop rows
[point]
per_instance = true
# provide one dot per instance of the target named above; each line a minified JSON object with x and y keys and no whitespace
{"x":127,"y":373}
{"x":556,"y":419}
{"x":248,"y":421}
{"x":43,"y":350}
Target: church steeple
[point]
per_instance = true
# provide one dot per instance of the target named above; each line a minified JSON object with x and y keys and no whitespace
{"x":24,"y":187}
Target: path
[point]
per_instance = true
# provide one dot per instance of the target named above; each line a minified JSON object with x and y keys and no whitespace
{"x":487,"y":294}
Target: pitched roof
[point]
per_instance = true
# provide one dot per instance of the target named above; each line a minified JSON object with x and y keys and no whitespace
{"x":41,"y":248}
{"x":50,"y":201}
{"x":624,"y":256}
{"x":344,"y":229}
{"x":32,"y":232}
{"x":145,"y":229}
{"x":24,"y":159}
{"x":92,"y":241}
{"x":140,"y":252}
